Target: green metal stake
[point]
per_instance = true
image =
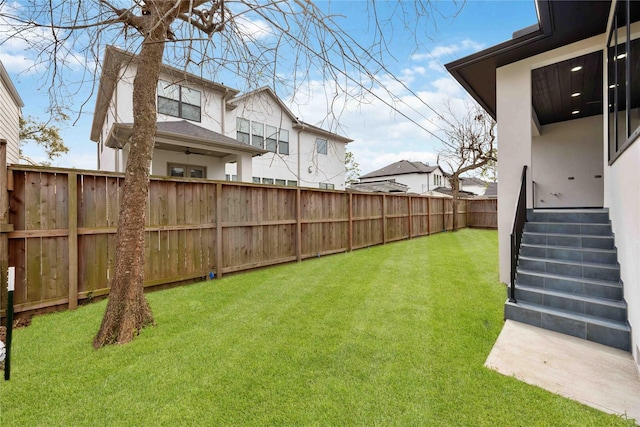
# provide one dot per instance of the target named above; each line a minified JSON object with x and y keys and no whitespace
{"x":10,"y":287}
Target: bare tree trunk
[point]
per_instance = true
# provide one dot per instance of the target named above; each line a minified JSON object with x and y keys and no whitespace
{"x":455,"y":182}
{"x":127,"y":310}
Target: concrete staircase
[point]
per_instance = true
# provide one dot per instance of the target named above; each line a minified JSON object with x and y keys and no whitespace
{"x":568,"y":277}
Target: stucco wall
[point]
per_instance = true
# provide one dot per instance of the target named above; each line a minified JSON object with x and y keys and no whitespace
{"x":571,"y":149}
{"x":513,"y":97}
{"x":622,"y":196}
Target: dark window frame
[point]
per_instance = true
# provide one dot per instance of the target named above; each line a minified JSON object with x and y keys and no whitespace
{"x":180,"y":101}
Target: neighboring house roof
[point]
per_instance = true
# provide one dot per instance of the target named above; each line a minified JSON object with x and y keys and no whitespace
{"x":114,"y":59}
{"x":559,"y":23}
{"x":473,"y":181}
{"x":401,"y":167}
{"x":492,"y":190}
{"x":385,"y":186}
{"x":449,"y":192}
{"x":297,"y":124}
{"x":4,"y":77}
{"x":186,"y":132}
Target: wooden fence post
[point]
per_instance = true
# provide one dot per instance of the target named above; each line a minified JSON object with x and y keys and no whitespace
{"x":428,"y":216}
{"x":350,"y":222}
{"x":298,"y":225}
{"x":219,"y":230}
{"x":410,"y":218}
{"x":384,"y":220}
{"x":4,"y":219}
{"x":73,"y":239}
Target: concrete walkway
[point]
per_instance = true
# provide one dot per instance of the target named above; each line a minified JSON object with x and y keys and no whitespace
{"x":596,"y":375}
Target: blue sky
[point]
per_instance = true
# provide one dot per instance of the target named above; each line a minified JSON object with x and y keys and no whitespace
{"x":381,"y":136}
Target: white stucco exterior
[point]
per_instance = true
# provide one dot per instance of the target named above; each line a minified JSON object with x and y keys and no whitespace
{"x":576,"y":148}
{"x":220,"y":107}
{"x":567,"y":164}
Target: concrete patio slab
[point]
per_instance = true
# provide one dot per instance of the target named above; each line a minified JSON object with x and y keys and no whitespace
{"x":599,"y":376}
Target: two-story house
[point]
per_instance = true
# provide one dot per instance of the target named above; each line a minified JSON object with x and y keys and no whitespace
{"x":420,"y":178}
{"x":10,"y":113}
{"x":208,"y":130}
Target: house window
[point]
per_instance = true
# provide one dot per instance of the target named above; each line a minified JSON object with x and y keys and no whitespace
{"x":256,"y":180}
{"x":326,"y":186}
{"x":267,"y":180}
{"x":231,"y":177}
{"x":321,"y":146}
{"x":272,"y":138}
{"x":242,"y":130}
{"x":257,"y":134}
{"x":281,"y":182}
{"x":179,"y":101}
{"x":186,"y":171}
{"x":623,"y":63}
{"x":292,"y":183}
{"x":283,"y":143}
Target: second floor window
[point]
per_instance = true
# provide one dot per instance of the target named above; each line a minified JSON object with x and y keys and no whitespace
{"x":179,"y":101}
{"x":321,"y":146}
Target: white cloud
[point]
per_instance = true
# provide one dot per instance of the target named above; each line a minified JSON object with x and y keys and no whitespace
{"x":448,"y":52}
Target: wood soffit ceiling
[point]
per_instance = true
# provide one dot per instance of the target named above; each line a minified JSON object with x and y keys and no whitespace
{"x":560,"y":94}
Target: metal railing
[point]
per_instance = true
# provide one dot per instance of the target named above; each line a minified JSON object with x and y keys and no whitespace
{"x":516,"y":234}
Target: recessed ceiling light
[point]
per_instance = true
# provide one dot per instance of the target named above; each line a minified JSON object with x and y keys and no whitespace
{"x":574,"y":112}
{"x":574,"y":94}
{"x":578,"y":68}
{"x":621,"y":56}
{"x":612,"y":86}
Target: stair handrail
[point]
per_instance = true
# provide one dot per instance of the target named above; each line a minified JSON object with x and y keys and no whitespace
{"x":516,"y":234}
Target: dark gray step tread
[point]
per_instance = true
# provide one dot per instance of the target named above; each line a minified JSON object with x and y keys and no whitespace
{"x":568,"y":223}
{"x":571,"y":210}
{"x":569,"y":248}
{"x":538,"y":233}
{"x":613,"y":324}
{"x":579,"y":297}
{"x":615,"y":284}
{"x":562,"y":261}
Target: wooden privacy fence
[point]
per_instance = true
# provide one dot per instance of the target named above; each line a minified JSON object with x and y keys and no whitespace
{"x":62,"y":223}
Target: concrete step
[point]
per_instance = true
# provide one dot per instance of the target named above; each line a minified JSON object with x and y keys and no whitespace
{"x":576,"y":229}
{"x":571,"y":285}
{"x":581,"y":304}
{"x":568,"y":253}
{"x":603,"y":331}
{"x":569,"y":240}
{"x":593,"y":216}
{"x":586,"y":270}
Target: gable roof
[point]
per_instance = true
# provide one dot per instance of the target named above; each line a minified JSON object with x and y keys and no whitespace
{"x":233,"y":103}
{"x":473,"y":181}
{"x":559,"y":23}
{"x":182,"y":132}
{"x":6,"y":80}
{"x":114,"y":60}
{"x":492,"y":190}
{"x":297,"y":124}
{"x":402,"y":167}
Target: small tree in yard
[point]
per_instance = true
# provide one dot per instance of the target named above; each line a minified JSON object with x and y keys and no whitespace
{"x":265,"y":42}
{"x":352,"y":168}
{"x":470,"y":144}
{"x":44,"y":134}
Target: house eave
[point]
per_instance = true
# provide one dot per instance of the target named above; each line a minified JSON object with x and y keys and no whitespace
{"x":558,"y":25}
{"x":4,"y":76}
{"x":121,"y":133}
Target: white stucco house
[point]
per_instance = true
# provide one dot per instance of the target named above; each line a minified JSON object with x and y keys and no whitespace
{"x":209,"y":130}
{"x":10,"y":112}
{"x":418,"y":177}
{"x":566,"y":96}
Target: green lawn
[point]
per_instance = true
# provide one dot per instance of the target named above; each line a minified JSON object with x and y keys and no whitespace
{"x":390,"y":335}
